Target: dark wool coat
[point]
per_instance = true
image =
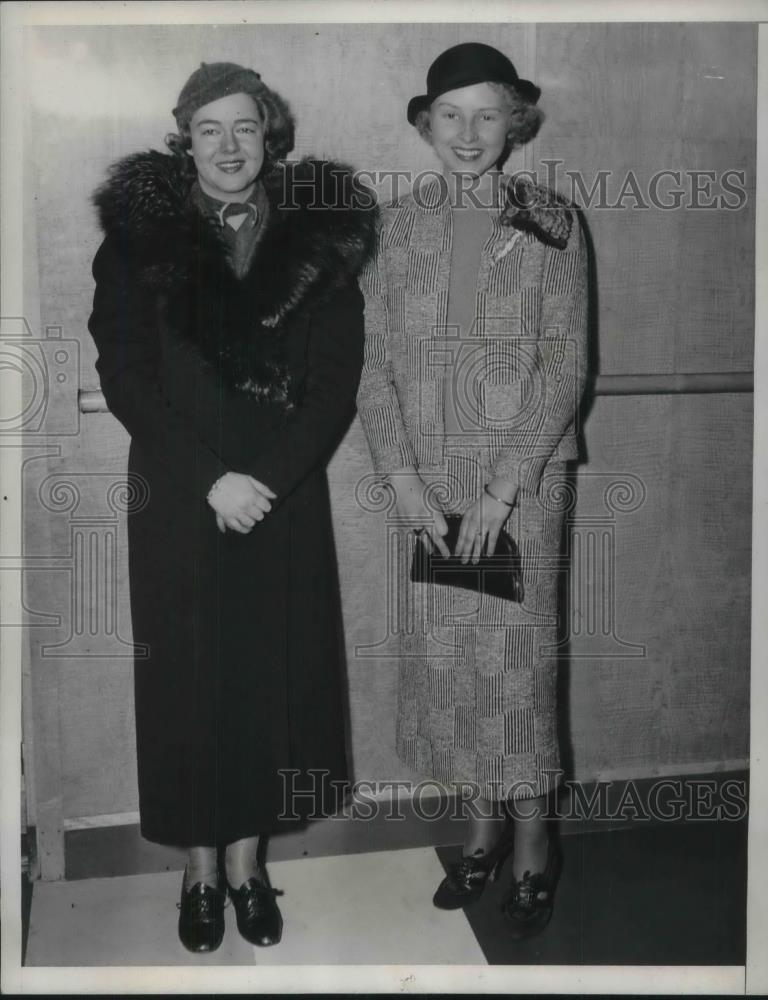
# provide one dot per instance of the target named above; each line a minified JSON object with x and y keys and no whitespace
{"x":243,"y":681}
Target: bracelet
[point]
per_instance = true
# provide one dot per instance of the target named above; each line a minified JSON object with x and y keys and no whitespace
{"x":214,"y":488}
{"x":498,"y":499}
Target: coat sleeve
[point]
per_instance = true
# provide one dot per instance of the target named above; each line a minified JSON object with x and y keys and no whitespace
{"x":123,"y":325}
{"x":557,"y":369}
{"x":377,"y":400}
{"x":307,"y":439}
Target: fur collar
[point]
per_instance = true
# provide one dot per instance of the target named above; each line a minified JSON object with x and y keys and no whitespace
{"x":304,"y":250}
{"x":522,"y":205}
{"x":304,"y":254}
{"x":538,"y":210}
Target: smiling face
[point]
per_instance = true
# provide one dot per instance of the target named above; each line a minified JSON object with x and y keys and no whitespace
{"x":469,"y":129}
{"x":228,"y":146}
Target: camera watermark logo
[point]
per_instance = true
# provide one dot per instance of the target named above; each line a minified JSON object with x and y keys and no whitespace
{"x":48,"y":369}
{"x":498,"y":380}
{"x":72,"y":562}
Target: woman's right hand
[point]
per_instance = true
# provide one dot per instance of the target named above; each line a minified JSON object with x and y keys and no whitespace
{"x":240,"y":501}
{"x":410,"y":495}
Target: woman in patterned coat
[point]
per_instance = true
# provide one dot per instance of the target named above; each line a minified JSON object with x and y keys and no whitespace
{"x":476,"y":316}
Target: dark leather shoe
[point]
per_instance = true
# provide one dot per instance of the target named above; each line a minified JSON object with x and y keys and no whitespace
{"x":258,"y":917}
{"x":529,"y":903}
{"x":201,"y":917}
{"x":466,"y":880}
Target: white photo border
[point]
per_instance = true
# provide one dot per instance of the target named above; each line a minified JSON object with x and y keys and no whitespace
{"x":753,"y":978}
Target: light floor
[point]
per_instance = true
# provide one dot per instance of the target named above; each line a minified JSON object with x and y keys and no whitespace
{"x":374,"y":908}
{"x":666,"y":894}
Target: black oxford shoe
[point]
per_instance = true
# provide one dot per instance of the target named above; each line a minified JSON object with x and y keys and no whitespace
{"x":201,"y":917}
{"x":258,"y":917}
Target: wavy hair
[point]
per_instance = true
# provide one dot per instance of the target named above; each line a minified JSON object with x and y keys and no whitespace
{"x":279,"y":129}
{"x":525,"y":120}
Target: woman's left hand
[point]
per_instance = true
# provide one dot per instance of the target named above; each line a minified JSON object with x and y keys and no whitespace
{"x":484,"y":519}
{"x":265,"y":491}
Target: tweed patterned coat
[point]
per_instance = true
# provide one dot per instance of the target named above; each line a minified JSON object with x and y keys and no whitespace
{"x":477,"y":674}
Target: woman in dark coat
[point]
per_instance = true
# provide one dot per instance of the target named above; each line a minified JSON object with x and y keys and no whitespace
{"x":229,"y":331}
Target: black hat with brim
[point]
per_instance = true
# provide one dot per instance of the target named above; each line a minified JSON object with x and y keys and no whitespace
{"x":467,"y":64}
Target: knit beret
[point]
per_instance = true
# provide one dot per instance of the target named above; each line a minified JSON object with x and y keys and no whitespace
{"x":209,"y":83}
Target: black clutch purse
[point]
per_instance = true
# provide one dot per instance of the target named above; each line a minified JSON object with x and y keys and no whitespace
{"x":499,"y":574}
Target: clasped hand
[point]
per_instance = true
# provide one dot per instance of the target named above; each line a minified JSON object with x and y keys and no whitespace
{"x":240,"y":501}
{"x":482,"y":521}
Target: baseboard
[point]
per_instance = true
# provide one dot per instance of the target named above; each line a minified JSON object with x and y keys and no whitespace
{"x":112,"y":850}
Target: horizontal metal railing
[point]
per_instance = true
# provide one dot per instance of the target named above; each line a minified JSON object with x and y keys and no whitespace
{"x":679,"y":383}
{"x":92,"y":400}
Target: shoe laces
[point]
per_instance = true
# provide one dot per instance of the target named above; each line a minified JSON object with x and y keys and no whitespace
{"x":201,"y":900}
{"x":253,"y":892}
